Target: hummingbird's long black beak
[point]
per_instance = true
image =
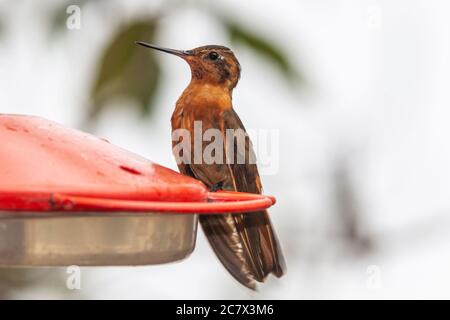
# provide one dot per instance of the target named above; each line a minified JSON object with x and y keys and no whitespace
{"x":179,"y":53}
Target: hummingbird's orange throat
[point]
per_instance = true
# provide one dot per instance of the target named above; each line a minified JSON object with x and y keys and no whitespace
{"x":200,"y":95}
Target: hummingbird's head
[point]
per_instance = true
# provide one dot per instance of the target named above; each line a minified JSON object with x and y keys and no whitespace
{"x":216,"y":65}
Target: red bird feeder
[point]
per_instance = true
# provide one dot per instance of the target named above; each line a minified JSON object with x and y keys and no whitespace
{"x":67,"y":197}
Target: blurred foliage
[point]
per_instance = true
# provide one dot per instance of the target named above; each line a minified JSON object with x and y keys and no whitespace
{"x":130,"y":73}
{"x":240,"y":35}
{"x":127,"y":71}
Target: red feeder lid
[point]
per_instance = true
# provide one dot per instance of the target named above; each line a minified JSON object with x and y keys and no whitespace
{"x":47,"y":167}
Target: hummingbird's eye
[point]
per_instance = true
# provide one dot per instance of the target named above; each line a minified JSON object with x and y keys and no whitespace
{"x":213,"y":55}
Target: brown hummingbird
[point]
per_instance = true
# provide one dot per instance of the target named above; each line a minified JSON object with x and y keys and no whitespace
{"x":245,"y":243}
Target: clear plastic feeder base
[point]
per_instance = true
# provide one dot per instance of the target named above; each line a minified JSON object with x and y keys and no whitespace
{"x":95,"y":239}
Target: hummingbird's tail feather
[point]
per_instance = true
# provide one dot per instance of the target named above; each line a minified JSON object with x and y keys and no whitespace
{"x":221,"y":232}
{"x":246,"y":245}
{"x":276,"y":263}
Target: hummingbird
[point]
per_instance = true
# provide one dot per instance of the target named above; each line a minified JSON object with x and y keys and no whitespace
{"x":245,"y":243}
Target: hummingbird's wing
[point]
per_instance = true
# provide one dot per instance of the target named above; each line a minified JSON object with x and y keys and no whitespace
{"x":246,"y":244}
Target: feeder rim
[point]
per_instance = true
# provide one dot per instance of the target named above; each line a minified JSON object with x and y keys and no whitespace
{"x":219,"y":202}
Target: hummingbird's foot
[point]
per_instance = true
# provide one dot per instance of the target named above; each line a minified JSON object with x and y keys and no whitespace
{"x":217,"y":186}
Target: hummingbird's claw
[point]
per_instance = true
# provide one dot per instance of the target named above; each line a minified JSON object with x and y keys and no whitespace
{"x":217,"y":186}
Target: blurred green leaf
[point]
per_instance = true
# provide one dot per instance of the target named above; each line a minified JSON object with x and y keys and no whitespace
{"x":127,"y":70}
{"x":240,"y":35}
